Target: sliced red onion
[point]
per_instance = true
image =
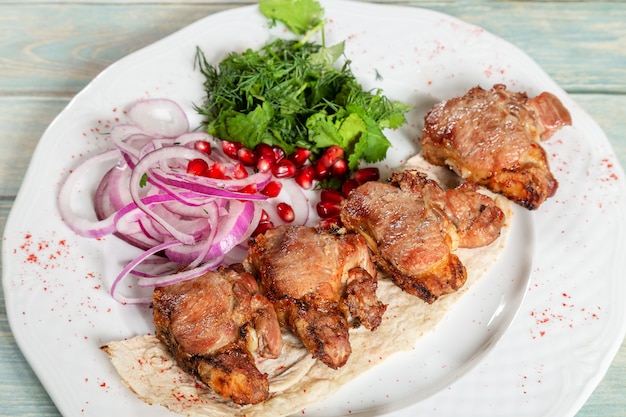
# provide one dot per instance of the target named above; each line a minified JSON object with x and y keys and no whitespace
{"x":121,"y":134}
{"x":131,"y":266}
{"x":204,"y":187}
{"x":238,"y":253}
{"x":231,"y":230}
{"x":160,"y":117}
{"x":80,"y":225}
{"x":190,"y":138}
{"x":112,"y":193}
{"x":181,"y":275}
{"x":154,"y":158}
{"x":193,"y":223}
{"x":235,"y":228}
{"x":260,"y":179}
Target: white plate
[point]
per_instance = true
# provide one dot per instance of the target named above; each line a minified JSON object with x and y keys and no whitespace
{"x":571,"y":320}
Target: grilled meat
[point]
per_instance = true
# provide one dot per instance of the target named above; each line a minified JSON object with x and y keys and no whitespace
{"x":413,"y":226}
{"x":492,"y":137}
{"x":212,"y":324}
{"x":320,"y":285}
{"x":477,"y":219}
{"x":411,"y":238}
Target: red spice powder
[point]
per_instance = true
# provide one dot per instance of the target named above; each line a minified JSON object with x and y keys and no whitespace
{"x":43,"y":252}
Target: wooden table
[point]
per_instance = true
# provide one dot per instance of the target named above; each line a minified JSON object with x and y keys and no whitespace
{"x":50,"y":50}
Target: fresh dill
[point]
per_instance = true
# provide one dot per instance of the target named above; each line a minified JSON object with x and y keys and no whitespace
{"x":296,"y":93}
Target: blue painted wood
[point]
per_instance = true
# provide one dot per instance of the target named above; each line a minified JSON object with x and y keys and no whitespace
{"x":581,"y":45}
{"x":48,"y":53}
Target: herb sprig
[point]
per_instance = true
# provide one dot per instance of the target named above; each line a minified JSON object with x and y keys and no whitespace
{"x":295,"y":93}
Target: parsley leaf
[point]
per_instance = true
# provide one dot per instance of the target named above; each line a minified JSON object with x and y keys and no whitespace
{"x":299,"y":16}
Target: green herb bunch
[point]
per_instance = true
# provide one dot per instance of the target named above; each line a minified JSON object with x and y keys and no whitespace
{"x":295,"y":93}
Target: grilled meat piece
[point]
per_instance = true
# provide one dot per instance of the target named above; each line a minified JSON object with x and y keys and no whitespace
{"x":413,"y":226}
{"x":411,"y":238}
{"x":492,"y":137}
{"x":212,"y":324}
{"x":318,"y":282}
{"x":476,"y":217}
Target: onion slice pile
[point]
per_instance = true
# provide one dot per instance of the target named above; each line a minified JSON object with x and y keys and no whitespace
{"x":186,"y":224}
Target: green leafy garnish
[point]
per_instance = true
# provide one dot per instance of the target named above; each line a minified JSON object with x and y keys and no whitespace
{"x":299,"y":16}
{"x":295,"y":93}
{"x":143,"y":181}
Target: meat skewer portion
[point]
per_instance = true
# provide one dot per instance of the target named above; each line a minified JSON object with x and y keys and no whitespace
{"x":413,"y":227}
{"x":212,"y":324}
{"x":320,"y":284}
{"x":492,"y":137}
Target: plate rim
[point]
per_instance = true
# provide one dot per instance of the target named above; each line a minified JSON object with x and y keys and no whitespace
{"x":18,"y":202}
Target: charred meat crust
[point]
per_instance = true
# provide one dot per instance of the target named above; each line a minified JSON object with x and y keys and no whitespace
{"x":412,"y":227}
{"x":450,"y":277}
{"x":207,"y":325}
{"x":410,"y":237}
{"x":476,"y":217}
{"x":492,"y":137}
{"x":233,"y":374}
{"x":318,"y":282}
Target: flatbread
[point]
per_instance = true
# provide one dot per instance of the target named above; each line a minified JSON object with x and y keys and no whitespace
{"x":296,"y":380}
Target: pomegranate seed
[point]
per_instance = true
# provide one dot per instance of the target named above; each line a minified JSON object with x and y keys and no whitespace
{"x":336,"y":151}
{"x":247,"y":156}
{"x":284,"y":169}
{"x":203,"y":146}
{"x":197,"y":167}
{"x":364,"y":175}
{"x":326,"y":160}
{"x":217,"y":171}
{"x":300,"y":156}
{"x":331,"y":196}
{"x":339,"y":168}
{"x":330,"y":155}
{"x":285,"y":212}
{"x":279,"y":153}
{"x":347,"y":186}
{"x":304,"y":177}
{"x":240,"y":171}
{"x":330,"y":223}
{"x":322,"y":172}
{"x":265,"y":163}
{"x":264,"y":149}
{"x":264,"y":217}
{"x":262,"y":228}
{"x":272,"y":189}
{"x":326,"y":209}
{"x":248,"y":189}
{"x":231,"y":148}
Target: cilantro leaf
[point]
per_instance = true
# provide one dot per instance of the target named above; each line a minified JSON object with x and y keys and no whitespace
{"x":352,"y":127}
{"x":326,"y":57}
{"x":323,"y":132}
{"x":299,"y":16}
{"x":369,"y":143}
{"x":250,"y":129}
{"x":372,"y":146}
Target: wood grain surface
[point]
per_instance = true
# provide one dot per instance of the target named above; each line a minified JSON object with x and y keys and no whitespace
{"x":50,"y":50}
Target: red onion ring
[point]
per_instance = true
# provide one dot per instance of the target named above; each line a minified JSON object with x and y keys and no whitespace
{"x":183,"y":222}
{"x":159,"y":117}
